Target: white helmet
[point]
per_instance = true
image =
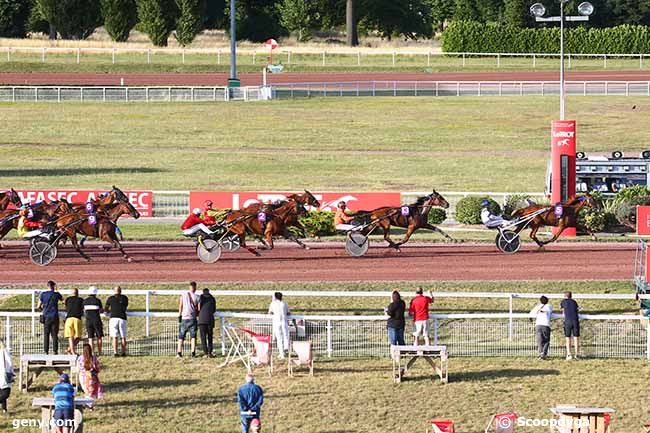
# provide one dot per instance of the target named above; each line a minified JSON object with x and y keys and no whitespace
{"x":196,"y":211}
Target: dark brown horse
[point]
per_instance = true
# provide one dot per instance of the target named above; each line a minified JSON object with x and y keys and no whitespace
{"x":411,"y":217}
{"x":43,"y":212}
{"x":7,"y":197}
{"x":566,"y":217}
{"x":79,"y":222}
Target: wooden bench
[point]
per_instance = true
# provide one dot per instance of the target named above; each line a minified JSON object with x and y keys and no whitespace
{"x":413,"y":353}
{"x":47,"y":411}
{"x":574,"y":419}
{"x":38,"y":363}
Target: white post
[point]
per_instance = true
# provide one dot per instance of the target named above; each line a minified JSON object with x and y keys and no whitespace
{"x":13,"y":94}
{"x":9,"y":54}
{"x":561,"y":60}
{"x":627,"y":88}
{"x":569,"y":58}
{"x":510,"y":321}
{"x":104,"y":94}
{"x":33,"y":313}
{"x":264,"y":77}
{"x":604,"y":61}
{"x":498,"y":60}
{"x":288,"y":57}
{"x":463,"y":60}
{"x":323,"y":58}
{"x":218,"y":57}
{"x":428,"y":59}
{"x":359,"y":58}
{"x":458,"y":88}
{"x":416,"y":88}
{"x":8,"y":333}
{"x":437,"y":89}
{"x":148,"y":56}
{"x":78,"y":55}
{"x":147,"y":306}
{"x":81,"y":92}
{"x":146,"y":94}
{"x":584,"y":88}
{"x":329,"y":338}
{"x":223,"y":337}
{"x":58,"y":94}
{"x":254,"y":53}
{"x":183,"y":55}
{"x":113,"y":56}
{"x":534,"y":61}
{"x":43,"y":55}
{"x":393,"y":58}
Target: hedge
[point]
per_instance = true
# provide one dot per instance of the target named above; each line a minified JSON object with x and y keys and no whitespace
{"x":476,"y":37}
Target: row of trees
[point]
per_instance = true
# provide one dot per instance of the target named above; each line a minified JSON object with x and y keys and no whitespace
{"x":258,"y":20}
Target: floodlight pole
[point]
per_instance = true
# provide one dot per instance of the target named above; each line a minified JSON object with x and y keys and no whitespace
{"x":561,"y":59}
{"x":233,"y":81}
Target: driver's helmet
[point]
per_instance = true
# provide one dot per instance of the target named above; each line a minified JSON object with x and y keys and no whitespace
{"x":197,"y":211}
{"x":485,"y":203}
{"x":207,"y":204}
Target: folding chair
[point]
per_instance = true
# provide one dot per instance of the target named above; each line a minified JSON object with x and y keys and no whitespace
{"x":305,"y":356}
{"x":442,"y":425}
{"x":502,"y":423}
{"x":261,"y":354}
{"x":237,"y":351}
{"x":646,"y":428}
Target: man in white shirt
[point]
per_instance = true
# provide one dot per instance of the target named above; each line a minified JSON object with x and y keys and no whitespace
{"x":188,"y":309}
{"x":542,"y":314}
{"x":279,"y":310}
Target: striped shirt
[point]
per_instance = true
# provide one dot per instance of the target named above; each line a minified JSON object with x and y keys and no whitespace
{"x":63,"y":396}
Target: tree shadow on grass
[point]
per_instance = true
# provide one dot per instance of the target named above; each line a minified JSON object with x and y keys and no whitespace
{"x":170,"y":402}
{"x":469,"y":376}
{"x":76,"y":171}
{"x":148,"y":384}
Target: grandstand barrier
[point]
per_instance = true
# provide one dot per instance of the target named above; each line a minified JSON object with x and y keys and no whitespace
{"x":468,"y":334}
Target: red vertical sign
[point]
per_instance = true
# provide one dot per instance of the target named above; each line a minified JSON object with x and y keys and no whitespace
{"x":563,"y":163}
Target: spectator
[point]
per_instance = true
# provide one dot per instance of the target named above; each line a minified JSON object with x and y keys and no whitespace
{"x":49,"y":305}
{"x":396,"y":322}
{"x":187,"y":310}
{"x":644,"y":306}
{"x":570,"y":310}
{"x":279,"y":310}
{"x":74,"y":307}
{"x":116,"y":306}
{"x":63,"y":393}
{"x":93,"y":309}
{"x":250,"y":397}
{"x":207,"y":308}
{"x":88,"y":367}
{"x":542,"y":314}
{"x":419,"y":310}
{"x":6,"y":375}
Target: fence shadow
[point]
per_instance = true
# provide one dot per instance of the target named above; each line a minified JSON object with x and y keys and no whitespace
{"x":76,"y":171}
{"x":167,"y":402}
{"x":509,"y":373}
{"x":148,"y":384}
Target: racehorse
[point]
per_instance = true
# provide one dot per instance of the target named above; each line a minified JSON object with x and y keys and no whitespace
{"x":7,"y":197}
{"x":43,"y":212}
{"x":103,"y":228}
{"x":566,"y":216}
{"x":268,"y":222}
{"x":411,"y":217}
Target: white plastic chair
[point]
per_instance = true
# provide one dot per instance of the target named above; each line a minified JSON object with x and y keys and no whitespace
{"x":305,"y":356}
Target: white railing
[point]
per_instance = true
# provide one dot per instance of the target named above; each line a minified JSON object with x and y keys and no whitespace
{"x":132,"y":94}
{"x":460,"y":88}
{"x":314,"y":57}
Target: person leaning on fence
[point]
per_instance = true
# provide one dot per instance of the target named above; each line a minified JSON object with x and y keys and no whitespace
{"x":6,"y":376}
{"x":571,"y":324}
{"x":74,"y":307}
{"x":419,"y":310}
{"x":542,"y":313}
{"x":207,"y":308}
{"x":250,"y":397}
{"x":396,"y":323}
{"x":93,"y":309}
{"x":188,"y":308}
{"x":279,"y":310}
{"x":63,"y":393}
{"x":49,"y":306}
{"x":116,"y":306}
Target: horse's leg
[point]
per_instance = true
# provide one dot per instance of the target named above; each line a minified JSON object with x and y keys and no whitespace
{"x":438,"y":230}
{"x":385,"y":225}
{"x":108,"y":235}
{"x":287,"y":234}
{"x":242,"y":241}
{"x":268,"y":235}
{"x":560,"y":229}
{"x":73,"y":238}
{"x":409,"y":232}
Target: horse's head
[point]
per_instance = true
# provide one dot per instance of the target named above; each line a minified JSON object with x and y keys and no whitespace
{"x":587,"y":200}
{"x":435,"y":199}
{"x":311,"y":200}
{"x":118,"y":195}
{"x":15,"y":198}
{"x":59,"y":207}
{"x":126,"y":207}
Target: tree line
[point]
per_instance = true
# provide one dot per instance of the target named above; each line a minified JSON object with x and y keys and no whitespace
{"x":258,"y":20}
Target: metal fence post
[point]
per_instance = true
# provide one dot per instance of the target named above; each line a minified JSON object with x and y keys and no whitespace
{"x":58,"y":94}
{"x":428,"y":59}
{"x":127,"y":94}
{"x":104,"y":94}
{"x":458,"y":88}
{"x":8,"y":333}
{"x":534,"y":61}
{"x":606,"y":88}
{"x":33,"y":313}
{"x":218,"y":57}
{"x":394,"y":88}
{"x":569,"y":58}
{"x":254,"y":54}
{"x":147,"y":306}
{"x":148,"y":56}
{"x":510,"y":319}
{"x":169,"y":95}
{"x":81,"y":93}
{"x":627,"y":88}
{"x":435,"y":331}
{"x":329,"y":338}
{"x":359,"y":58}
{"x":78,"y":55}
{"x":463,"y":60}
{"x":374,"y":86}
{"x":183,"y":56}
{"x":289,"y":57}
{"x":393,"y":58}
{"x":113,"y":56}
{"x":498,"y":60}
{"x":323,"y":58}
{"x":43,"y":55}
{"x":604,"y":61}
{"x":223,"y":337}
{"x":13,"y":94}
{"x":416,"y":88}
{"x":437,"y":88}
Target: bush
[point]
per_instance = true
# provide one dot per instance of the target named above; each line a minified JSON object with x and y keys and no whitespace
{"x":188,"y":23}
{"x":157,"y":19}
{"x":476,"y":37}
{"x":119,"y":18}
{"x":318,"y":223}
{"x":591,"y":220}
{"x":13,"y":18}
{"x":514,"y":202}
{"x":468,"y":209}
{"x":73,"y":19}
{"x":437,"y":215}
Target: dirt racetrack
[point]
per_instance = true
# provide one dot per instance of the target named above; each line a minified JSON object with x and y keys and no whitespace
{"x":220,"y":79}
{"x":177,"y":262}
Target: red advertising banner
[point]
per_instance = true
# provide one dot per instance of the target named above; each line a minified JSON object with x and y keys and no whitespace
{"x":141,"y":200}
{"x":328,"y":200}
{"x":563,"y":162}
{"x":643,"y":220}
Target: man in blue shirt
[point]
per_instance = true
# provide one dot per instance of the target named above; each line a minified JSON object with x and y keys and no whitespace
{"x":250,"y":397}
{"x":571,"y":323}
{"x":63,"y":393}
{"x":49,"y":306}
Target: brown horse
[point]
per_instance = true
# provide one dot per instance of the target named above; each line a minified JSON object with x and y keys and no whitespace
{"x":78,"y":222}
{"x":567,"y":218}
{"x":411,"y":217}
{"x":7,"y":197}
{"x":43,"y":212}
{"x":268,"y":222}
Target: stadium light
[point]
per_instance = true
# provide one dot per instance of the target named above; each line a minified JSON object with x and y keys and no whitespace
{"x":233,"y":81}
{"x":585,"y":9}
{"x":538,"y":10}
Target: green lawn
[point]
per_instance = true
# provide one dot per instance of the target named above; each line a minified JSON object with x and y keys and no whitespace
{"x":349,"y":395}
{"x":480,"y":144}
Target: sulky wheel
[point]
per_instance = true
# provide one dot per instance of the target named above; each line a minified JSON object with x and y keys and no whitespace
{"x":208,"y":251}
{"x":230,"y":242}
{"x":356,"y":244}
{"x":42,"y":253}
{"x":508,"y":241}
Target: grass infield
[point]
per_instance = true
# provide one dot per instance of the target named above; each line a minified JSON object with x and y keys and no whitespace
{"x":374,"y":144}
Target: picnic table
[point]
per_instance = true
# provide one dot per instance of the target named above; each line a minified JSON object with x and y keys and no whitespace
{"x":572,"y":419}
{"x":411,"y":353}
{"x":38,"y":363}
{"x":47,"y":410}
